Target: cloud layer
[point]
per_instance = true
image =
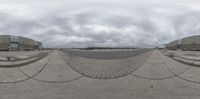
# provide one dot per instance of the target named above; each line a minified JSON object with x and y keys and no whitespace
{"x":122,"y":23}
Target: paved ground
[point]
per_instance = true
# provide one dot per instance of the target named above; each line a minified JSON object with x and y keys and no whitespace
{"x":105,"y":54}
{"x":150,"y":75}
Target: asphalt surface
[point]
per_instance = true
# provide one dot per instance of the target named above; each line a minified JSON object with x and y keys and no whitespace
{"x":148,"y":75}
{"x":106,"y":54}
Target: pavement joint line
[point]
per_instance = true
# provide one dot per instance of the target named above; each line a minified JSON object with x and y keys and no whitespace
{"x":9,"y":75}
{"x":188,"y":58}
{"x":45,"y":81}
{"x":103,"y":76}
{"x":30,"y":77}
{"x":19,"y":59}
{"x":142,"y":63}
{"x":190,"y":64}
{"x":190,"y":81}
{"x":182,"y":78}
{"x":163,"y":78}
{"x":25,"y":63}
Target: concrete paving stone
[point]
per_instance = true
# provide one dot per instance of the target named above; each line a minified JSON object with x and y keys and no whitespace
{"x":91,"y":65}
{"x":184,"y":60}
{"x":174,"y":66}
{"x":60,"y":73}
{"x":24,"y":61}
{"x":111,"y":71}
{"x":19,"y":54}
{"x":140,"y":60}
{"x":11,"y":75}
{"x":128,"y":87}
{"x":154,"y":58}
{"x":123,"y":88}
{"x":105,"y":54}
{"x":54,"y":71}
{"x":192,"y":74}
{"x":6,"y":63}
{"x":33,"y":68}
{"x":197,"y":63}
{"x":197,"y":58}
{"x":3,"y":58}
{"x":153,"y":71}
{"x":56,"y":59}
{"x":22,"y":56}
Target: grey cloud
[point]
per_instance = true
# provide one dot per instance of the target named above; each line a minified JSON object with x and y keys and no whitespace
{"x":146,"y":24}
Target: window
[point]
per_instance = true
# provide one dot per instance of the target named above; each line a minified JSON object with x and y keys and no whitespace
{"x":14,"y":39}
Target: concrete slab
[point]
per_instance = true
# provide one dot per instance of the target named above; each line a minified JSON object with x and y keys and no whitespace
{"x":197,"y":58}
{"x":127,"y":87}
{"x":10,"y":75}
{"x":57,"y":70}
{"x":184,"y":60}
{"x":197,"y":63}
{"x":173,"y":65}
{"x":192,"y":74}
{"x":153,"y":68}
{"x":33,"y":68}
{"x":3,"y":58}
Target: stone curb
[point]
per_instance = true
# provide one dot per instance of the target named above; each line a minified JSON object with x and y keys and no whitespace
{"x":184,"y":60}
{"x":39,"y":57}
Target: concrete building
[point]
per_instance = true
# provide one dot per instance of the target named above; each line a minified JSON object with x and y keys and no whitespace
{"x":172,"y":45}
{"x":18,"y":43}
{"x":191,"y":43}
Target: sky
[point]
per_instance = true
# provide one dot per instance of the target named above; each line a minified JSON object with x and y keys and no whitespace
{"x":100,"y":23}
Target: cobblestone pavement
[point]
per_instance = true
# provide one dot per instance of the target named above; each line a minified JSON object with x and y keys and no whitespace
{"x":105,"y":54}
{"x":148,"y":75}
{"x":106,"y":68}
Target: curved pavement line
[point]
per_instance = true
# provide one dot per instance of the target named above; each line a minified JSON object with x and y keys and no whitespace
{"x":142,"y":64}
{"x":178,"y":76}
{"x":88,"y":76}
{"x":190,"y":64}
{"x":84,"y":75}
{"x":136,"y":53}
{"x":45,"y":81}
{"x":188,"y":58}
{"x":30,"y":77}
{"x":99,"y":77}
{"x":182,"y":78}
{"x":25,"y":63}
{"x":191,"y":81}
{"x":162,"y":78}
{"x":18,"y":59}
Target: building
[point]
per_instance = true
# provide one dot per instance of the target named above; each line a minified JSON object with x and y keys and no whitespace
{"x":18,"y":43}
{"x":191,"y":43}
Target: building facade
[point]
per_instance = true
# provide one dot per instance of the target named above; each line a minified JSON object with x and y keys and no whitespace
{"x":191,"y":43}
{"x":18,"y":43}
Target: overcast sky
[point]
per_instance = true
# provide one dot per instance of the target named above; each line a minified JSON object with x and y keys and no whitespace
{"x":112,"y":23}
